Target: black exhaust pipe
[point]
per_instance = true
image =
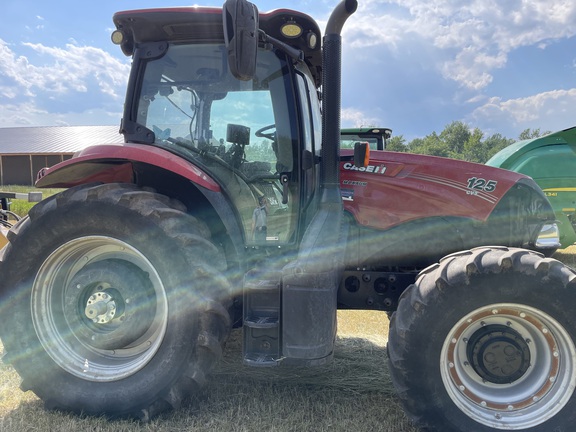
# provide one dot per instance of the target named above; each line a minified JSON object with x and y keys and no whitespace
{"x":310,"y":283}
{"x":331,"y":93}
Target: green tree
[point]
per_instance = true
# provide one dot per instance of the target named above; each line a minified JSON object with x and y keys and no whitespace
{"x":397,"y":144}
{"x":531,"y":133}
{"x":455,"y":135}
{"x":459,"y":141}
{"x":430,"y":145}
{"x":494,"y":143}
{"x":474,"y":149}
{"x":415,"y":145}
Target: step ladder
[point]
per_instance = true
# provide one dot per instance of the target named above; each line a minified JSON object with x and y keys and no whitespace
{"x":261,"y":326}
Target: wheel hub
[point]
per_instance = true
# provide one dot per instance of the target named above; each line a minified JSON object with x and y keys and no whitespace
{"x":113,"y":304}
{"x":508,"y":365}
{"x":498,"y":354}
{"x":101,"y":307}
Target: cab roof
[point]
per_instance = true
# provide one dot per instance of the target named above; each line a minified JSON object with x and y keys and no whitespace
{"x":204,"y":25}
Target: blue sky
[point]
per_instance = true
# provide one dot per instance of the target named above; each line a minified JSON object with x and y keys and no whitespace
{"x":411,"y":65}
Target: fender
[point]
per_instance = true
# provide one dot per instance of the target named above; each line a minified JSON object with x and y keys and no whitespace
{"x":114,"y":163}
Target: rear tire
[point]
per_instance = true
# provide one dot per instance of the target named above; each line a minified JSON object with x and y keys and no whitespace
{"x":484,"y":341}
{"x":113,"y":301}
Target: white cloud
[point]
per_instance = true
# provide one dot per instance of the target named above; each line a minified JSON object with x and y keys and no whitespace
{"x":73,"y":66}
{"x":28,"y":114}
{"x":552,"y":110}
{"x":470,"y":67}
{"x":470,"y":38}
{"x":58,"y":76}
{"x":352,"y":117}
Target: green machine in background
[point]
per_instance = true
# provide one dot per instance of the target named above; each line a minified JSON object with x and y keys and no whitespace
{"x":375,"y":137}
{"x":551,"y":161}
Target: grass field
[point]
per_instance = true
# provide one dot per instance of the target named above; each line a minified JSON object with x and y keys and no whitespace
{"x":352,"y":393}
{"x":21,"y":207}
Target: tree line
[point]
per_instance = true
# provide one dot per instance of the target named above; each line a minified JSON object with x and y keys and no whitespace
{"x":458,"y":141}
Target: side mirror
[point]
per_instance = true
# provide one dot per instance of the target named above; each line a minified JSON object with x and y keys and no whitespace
{"x":241,"y":22}
{"x":361,"y":154}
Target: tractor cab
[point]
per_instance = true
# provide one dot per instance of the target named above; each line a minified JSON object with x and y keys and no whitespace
{"x":256,"y":135}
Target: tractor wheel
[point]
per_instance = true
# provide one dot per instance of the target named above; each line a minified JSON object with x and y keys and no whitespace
{"x":112,"y":301}
{"x":484,"y":341}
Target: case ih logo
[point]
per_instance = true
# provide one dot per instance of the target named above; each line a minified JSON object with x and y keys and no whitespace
{"x":375,"y":169}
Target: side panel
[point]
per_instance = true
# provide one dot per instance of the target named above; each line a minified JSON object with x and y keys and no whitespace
{"x":396,"y":188}
{"x":409,"y":210}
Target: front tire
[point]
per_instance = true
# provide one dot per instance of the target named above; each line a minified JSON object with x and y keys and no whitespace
{"x":114,"y":301}
{"x":484,"y":341}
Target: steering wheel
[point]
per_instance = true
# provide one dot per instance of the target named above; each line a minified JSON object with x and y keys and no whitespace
{"x":262,"y":132}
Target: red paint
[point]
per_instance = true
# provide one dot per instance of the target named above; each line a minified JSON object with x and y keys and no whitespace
{"x":416,"y":186}
{"x":104,"y":163}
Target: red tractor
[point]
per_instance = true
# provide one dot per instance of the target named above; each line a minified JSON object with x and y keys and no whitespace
{"x":229,"y":204}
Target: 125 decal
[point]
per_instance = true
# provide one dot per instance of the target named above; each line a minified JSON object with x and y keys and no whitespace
{"x":482,"y":184}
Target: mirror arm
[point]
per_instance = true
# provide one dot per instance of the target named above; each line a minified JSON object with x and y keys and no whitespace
{"x":295,"y":54}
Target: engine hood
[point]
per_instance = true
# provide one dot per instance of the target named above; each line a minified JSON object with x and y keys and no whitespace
{"x":411,"y":210}
{"x":399,"y":187}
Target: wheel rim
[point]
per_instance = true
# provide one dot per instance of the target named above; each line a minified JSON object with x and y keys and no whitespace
{"x":99,"y":308}
{"x":509,"y":366}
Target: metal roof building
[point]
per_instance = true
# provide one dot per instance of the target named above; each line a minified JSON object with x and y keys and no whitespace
{"x":26,"y":150}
